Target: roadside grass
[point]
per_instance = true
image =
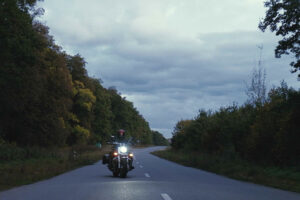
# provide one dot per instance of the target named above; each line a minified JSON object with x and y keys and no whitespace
{"x":141,"y":146}
{"x":282,"y":178}
{"x":45,"y":164}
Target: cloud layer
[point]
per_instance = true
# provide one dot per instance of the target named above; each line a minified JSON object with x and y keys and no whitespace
{"x":169,"y":57}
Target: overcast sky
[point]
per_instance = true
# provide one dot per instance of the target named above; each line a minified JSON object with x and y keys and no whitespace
{"x":169,"y":57}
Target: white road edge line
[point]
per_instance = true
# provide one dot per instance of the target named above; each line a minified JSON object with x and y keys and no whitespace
{"x":147,"y":175}
{"x":141,"y":166}
{"x":165,"y":196}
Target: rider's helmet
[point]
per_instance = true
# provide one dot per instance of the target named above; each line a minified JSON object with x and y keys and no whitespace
{"x":121,"y":132}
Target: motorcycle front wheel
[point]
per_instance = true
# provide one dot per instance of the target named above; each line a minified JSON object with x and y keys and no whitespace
{"x":115,"y":174}
{"x":123,"y":173}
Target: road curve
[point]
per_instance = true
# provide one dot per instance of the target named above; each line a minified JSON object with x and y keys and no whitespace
{"x":152,"y":179}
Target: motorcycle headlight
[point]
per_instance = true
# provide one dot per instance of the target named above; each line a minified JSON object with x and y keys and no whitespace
{"x":123,"y":149}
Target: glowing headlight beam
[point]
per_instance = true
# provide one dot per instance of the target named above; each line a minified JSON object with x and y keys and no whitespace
{"x":123,"y":149}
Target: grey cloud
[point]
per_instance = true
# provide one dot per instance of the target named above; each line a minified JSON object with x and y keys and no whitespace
{"x":164,"y":56}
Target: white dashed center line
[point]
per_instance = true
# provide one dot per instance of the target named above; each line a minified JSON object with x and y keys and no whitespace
{"x":141,"y":166}
{"x":165,"y":196}
{"x":147,"y":175}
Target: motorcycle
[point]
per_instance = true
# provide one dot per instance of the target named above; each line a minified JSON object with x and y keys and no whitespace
{"x":120,"y":160}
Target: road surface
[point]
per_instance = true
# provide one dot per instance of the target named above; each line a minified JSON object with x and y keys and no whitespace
{"x":152,"y":179}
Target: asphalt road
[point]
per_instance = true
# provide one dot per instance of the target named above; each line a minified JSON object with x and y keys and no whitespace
{"x":152,"y":179}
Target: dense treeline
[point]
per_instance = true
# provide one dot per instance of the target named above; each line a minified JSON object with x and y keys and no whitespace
{"x":267,"y":133}
{"x":159,"y":139}
{"x":47,"y":97}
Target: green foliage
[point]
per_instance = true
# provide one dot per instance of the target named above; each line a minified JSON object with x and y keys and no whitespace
{"x":275,"y":130}
{"x":76,"y":65}
{"x":102,"y":113}
{"x":35,"y":83}
{"x":283,"y":17}
{"x":158,"y":139}
{"x":267,"y":134}
{"x":179,"y":133}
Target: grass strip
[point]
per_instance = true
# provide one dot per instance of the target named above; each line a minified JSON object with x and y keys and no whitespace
{"x":282,"y":178}
{"x":21,"y":172}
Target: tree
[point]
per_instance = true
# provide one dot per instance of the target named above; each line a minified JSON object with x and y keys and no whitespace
{"x":158,"y":138}
{"x":21,"y":81}
{"x":35,"y":84}
{"x":179,"y":134}
{"x":275,"y":130}
{"x":181,"y":126}
{"x":256,"y":90}
{"x":102,"y":114}
{"x":283,"y":17}
{"x":76,"y":65}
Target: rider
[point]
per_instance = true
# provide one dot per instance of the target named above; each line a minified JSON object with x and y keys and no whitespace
{"x":121,"y":136}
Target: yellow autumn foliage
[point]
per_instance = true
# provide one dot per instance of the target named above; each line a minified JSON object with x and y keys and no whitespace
{"x":81,"y":132}
{"x":86,"y":98}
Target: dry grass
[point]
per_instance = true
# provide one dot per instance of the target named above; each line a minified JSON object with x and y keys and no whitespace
{"x":283,"y":178}
{"x":141,"y":146}
{"x":25,"y":171}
